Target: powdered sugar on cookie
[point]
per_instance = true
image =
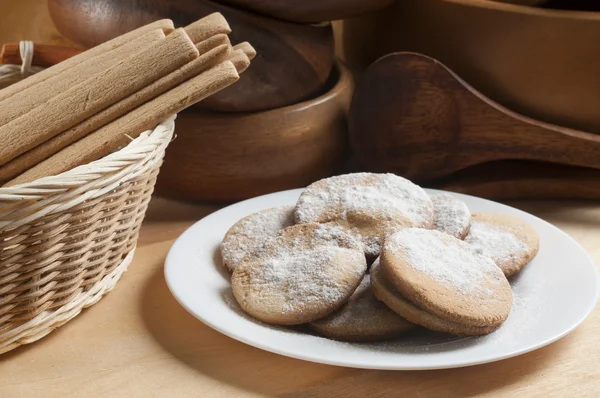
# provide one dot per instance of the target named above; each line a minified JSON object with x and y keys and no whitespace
{"x":307,"y":272}
{"x":356,"y":310}
{"x":364,"y":192}
{"x":304,"y":278}
{"x":362,"y":318}
{"x":446,"y":260}
{"x":368,"y":205}
{"x":496,"y":242}
{"x":452,"y":216}
{"x":251,"y":232}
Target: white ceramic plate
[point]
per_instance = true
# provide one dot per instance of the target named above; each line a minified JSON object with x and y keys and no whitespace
{"x":553,"y":295}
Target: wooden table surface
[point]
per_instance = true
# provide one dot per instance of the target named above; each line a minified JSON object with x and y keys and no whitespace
{"x":139,"y":342}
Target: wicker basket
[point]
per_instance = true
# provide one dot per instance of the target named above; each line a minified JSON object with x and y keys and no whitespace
{"x":66,"y":240}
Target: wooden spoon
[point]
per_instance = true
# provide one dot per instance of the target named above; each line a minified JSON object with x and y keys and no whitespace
{"x":309,"y":10}
{"x":413,"y":116}
{"x":293,"y":63}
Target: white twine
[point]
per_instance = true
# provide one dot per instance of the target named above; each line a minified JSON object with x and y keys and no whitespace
{"x":25,"y":69}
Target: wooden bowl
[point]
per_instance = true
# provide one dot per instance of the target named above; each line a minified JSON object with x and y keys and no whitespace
{"x":306,"y":11}
{"x":228,"y":157}
{"x":293,"y":62}
{"x":542,"y":63}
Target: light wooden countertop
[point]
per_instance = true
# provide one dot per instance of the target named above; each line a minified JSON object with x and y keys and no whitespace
{"x":139,"y":342}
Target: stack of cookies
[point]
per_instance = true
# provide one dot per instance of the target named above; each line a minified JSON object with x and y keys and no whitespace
{"x":364,"y":257}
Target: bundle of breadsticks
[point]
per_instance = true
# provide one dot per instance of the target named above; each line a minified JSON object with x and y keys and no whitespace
{"x":92,"y":104}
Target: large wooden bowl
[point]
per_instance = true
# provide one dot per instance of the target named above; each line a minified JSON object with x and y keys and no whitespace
{"x":541,"y":63}
{"x":293,"y":62}
{"x":228,"y":157}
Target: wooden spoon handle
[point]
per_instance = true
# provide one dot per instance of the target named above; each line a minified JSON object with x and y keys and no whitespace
{"x":43,"y":54}
{"x":509,"y":135}
{"x":489,"y":131}
{"x":509,"y":180}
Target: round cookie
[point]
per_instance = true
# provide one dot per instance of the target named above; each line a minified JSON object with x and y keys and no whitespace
{"x":452,"y":216}
{"x":307,"y":272}
{"x":369,"y":205}
{"x":362,"y":318}
{"x":508,"y":240}
{"x":443,"y":277}
{"x":386,"y":293}
{"x":251,"y":232}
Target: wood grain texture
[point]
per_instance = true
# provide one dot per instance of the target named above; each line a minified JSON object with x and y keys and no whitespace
{"x":509,"y":180}
{"x":307,"y":11}
{"x":226,"y":157}
{"x":413,"y":116}
{"x":293,"y":63}
{"x":540,"y":62}
{"x":145,"y":344}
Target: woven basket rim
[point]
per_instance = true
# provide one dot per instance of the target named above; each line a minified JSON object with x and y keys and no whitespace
{"x":82,"y":175}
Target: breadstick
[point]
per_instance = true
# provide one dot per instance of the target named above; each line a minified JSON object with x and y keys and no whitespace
{"x":212,"y":42}
{"x":247,"y":49}
{"x":26,"y":100}
{"x":64,"y":139}
{"x":71,"y":107}
{"x":165,"y":24}
{"x":115,"y":135}
{"x":240,"y":60}
{"x":208,"y":26}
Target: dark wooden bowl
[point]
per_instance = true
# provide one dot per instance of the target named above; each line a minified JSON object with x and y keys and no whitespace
{"x":292,"y":65}
{"x":228,"y":157}
{"x":309,"y":10}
